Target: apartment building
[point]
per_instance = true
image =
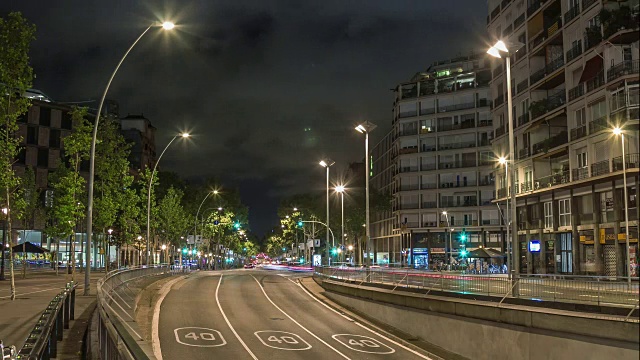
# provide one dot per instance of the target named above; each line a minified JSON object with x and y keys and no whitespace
{"x":574,"y":78}
{"x":442,"y":132}
{"x":384,"y":242}
{"x":138,"y":130}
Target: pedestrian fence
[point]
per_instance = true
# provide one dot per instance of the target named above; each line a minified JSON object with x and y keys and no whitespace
{"x":115,"y":341}
{"x":42,"y":342}
{"x":591,"y":290}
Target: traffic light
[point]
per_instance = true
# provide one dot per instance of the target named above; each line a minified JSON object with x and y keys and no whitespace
{"x":236,"y":226}
{"x":184,"y":251}
{"x":300,"y":223}
{"x":334,"y":251}
{"x":463,"y":253}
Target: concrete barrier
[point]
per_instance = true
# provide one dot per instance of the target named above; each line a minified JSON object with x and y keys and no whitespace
{"x":480,"y":330}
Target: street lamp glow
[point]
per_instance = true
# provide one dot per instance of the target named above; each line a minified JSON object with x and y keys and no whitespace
{"x":215,"y":192}
{"x":164,"y":247}
{"x":168,"y":25}
{"x":186,"y":135}
{"x":444,"y":213}
{"x":220,"y":209}
{"x":340,"y":188}
{"x":5,"y":210}
{"x":617,"y":131}
{"x":350,"y":247}
{"x":295,"y":209}
{"x":502,"y":160}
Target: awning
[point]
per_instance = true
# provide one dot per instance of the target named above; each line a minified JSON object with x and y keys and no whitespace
{"x":29,"y":248}
{"x":592,"y":68}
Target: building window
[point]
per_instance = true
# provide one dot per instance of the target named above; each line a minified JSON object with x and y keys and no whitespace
{"x":23,"y":117}
{"x":548,"y":214}
{"x":564,"y":212}
{"x":606,"y":206}
{"x":66,"y":122}
{"x":43,"y":158}
{"x":45,"y":116}
{"x":22,"y":156}
{"x":598,"y":110}
{"x":581,"y":118}
{"x":32,"y":135}
{"x":582,"y":158}
{"x":54,"y":138}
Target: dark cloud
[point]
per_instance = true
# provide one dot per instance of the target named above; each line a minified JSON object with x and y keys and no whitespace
{"x":267,"y":87}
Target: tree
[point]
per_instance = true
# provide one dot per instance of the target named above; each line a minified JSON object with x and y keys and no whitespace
{"x":31,"y":210}
{"x":172,"y":218}
{"x":143,"y":192}
{"x":16,"y":75}
{"x":128,"y":222}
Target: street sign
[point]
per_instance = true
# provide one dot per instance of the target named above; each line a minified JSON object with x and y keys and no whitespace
{"x":317,"y":260}
{"x":198,"y":239}
{"x":316,"y":242}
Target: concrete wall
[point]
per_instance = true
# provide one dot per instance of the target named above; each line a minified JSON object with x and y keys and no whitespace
{"x":466,"y":329}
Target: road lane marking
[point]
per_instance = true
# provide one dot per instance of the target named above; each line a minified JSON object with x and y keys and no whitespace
{"x":199,"y":337}
{"x":29,"y":293}
{"x":155,"y":340}
{"x":362,"y":326}
{"x":297,"y":323}
{"x":372,"y":345}
{"x":229,"y":323}
{"x":291,"y":341}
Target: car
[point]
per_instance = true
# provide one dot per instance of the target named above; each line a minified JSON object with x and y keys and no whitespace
{"x":249,"y":266}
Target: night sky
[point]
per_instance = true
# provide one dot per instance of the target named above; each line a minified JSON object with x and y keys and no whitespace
{"x":267,"y":88}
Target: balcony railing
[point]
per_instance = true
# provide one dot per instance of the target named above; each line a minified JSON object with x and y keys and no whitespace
{"x":523,"y":119}
{"x":463,"y":125}
{"x":526,"y":186}
{"x":578,"y":132}
{"x":457,"y":107}
{"x":428,"y":166}
{"x":550,"y":143}
{"x":524,"y":153}
{"x":571,"y":14}
{"x":623,"y":68}
{"x":587,"y":3}
{"x":408,"y":132}
{"x":519,"y":21}
{"x":535,"y":5}
{"x":595,"y":82}
{"x":632,"y":162}
{"x":576,"y":92}
{"x":575,"y":51}
{"x":522,"y":85}
{"x":455,"y":165}
{"x":427,"y":186}
{"x":539,"y":39}
{"x":600,"y":168}
{"x":458,"y":145}
{"x":541,"y":107}
{"x":409,"y":93}
{"x":497,"y":71}
{"x":429,"y":205}
{"x":409,"y":206}
{"x":500,"y":131}
{"x":483,"y":123}
{"x":548,"y":69}
{"x":552,"y":180}
{"x":498,"y":101}
{"x":484,"y":102}
{"x":409,"y":113}
{"x":495,"y":11}
{"x":405,"y":169}
{"x":409,"y":187}
{"x":580,"y":174}
{"x":455,"y":184}
{"x":469,"y":202}
{"x":598,"y":124}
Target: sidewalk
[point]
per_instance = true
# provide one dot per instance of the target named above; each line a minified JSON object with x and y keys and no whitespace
{"x":33,"y":294}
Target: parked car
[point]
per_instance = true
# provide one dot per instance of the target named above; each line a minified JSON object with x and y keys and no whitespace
{"x":249,"y":266}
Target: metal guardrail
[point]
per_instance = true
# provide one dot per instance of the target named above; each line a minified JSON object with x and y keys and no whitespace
{"x":114,"y":340}
{"x":42,"y":342}
{"x":559,"y":288}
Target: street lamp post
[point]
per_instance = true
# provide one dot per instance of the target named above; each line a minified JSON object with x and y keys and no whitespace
{"x":366,"y":128}
{"x":495,"y":51}
{"x":446,"y":215}
{"x":502,"y":160}
{"x":92,"y":158}
{"x":327,"y":164}
{"x":195,"y":225}
{"x":618,"y":131}
{"x":155,"y":166}
{"x":340,"y":189}
{"x":4,"y":240}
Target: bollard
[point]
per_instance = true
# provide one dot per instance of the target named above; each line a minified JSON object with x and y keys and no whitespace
{"x":72,"y":316}
{"x":65,"y":311}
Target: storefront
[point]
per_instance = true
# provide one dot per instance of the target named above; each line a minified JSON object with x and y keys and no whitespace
{"x":589,"y":265}
{"x":421,"y":258}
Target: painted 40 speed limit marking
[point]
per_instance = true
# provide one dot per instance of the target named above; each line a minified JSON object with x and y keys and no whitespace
{"x":363,"y":344}
{"x":199,"y":337}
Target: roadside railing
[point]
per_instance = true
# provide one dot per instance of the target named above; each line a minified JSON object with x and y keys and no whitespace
{"x":115,"y":341}
{"x":593,"y":290}
{"x":42,"y":342}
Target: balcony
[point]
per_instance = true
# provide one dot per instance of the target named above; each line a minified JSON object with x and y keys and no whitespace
{"x":502,"y":193}
{"x":507,"y":31}
{"x":497,"y":71}
{"x":487,"y":182}
{"x":429,"y":186}
{"x":458,"y":145}
{"x":523,"y":119}
{"x":521,"y":53}
{"x":490,"y":221}
{"x":428,"y":148}
{"x":498,"y":101}
{"x":455,"y":107}
{"x":623,"y":68}
{"x":429,"y":224}
{"x":580,"y":174}
{"x":409,"y":187}
{"x":598,"y":125}
{"x":409,"y":207}
{"x":495,"y":12}
{"x":539,"y":39}
{"x":541,"y":107}
{"x":454,"y":203}
{"x":548,"y":69}
{"x":575,"y":51}
{"x":561,"y":177}
{"x":600,"y":168}
{"x":526,"y":186}
{"x":550,"y":143}
{"x":578,"y":132}
{"x":595,"y":82}
{"x":427,"y":111}
{"x":592,"y":37}
{"x":409,"y":113}
{"x":408,"y":132}
{"x":571,"y":14}
{"x":429,"y":205}
{"x":457,"y":184}
{"x":456,"y":165}
{"x":427,"y":88}
{"x":484,"y":123}
{"x":409,"y":150}
{"x":522,"y":85}
{"x":500,"y":131}
{"x":519,"y":21}
{"x":619,"y":19}
{"x":632,"y":162}
{"x":406,"y":169}
{"x":409,"y":93}
{"x":576,"y":92}
{"x":464,"y":125}
{"x":554,"y":27}
{"x":428,"y":166}
{"x":587,"y":3}
{"x":524,"y":153}
{"x":535,"y":5}
{"x":484,"y":102}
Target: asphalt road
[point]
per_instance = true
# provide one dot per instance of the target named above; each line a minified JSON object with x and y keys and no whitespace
{"x":259,"y":314}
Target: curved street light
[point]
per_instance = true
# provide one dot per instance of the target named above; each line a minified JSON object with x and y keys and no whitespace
{"x":365,"y":128}
{"x":340,"y":189}
{"x":617,"y":131}
{"x":327,"y":164}
{"x":148,"y":250}
{"x":92,"y":158}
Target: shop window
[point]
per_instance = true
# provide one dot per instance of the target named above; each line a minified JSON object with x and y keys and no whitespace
{"x":548,"y":214}
{"x":564,"y":212}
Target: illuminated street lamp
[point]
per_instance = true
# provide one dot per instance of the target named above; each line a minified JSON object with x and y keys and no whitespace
{"x":497,"y":50}
{"x":195,"y":225}
{"x":503,"y":161}
{"x":340,"y":189}
{"x":618,"y":132}
{"x":92,"y":157}
{"x":366,"y":128}
{"x":327,"y":164}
